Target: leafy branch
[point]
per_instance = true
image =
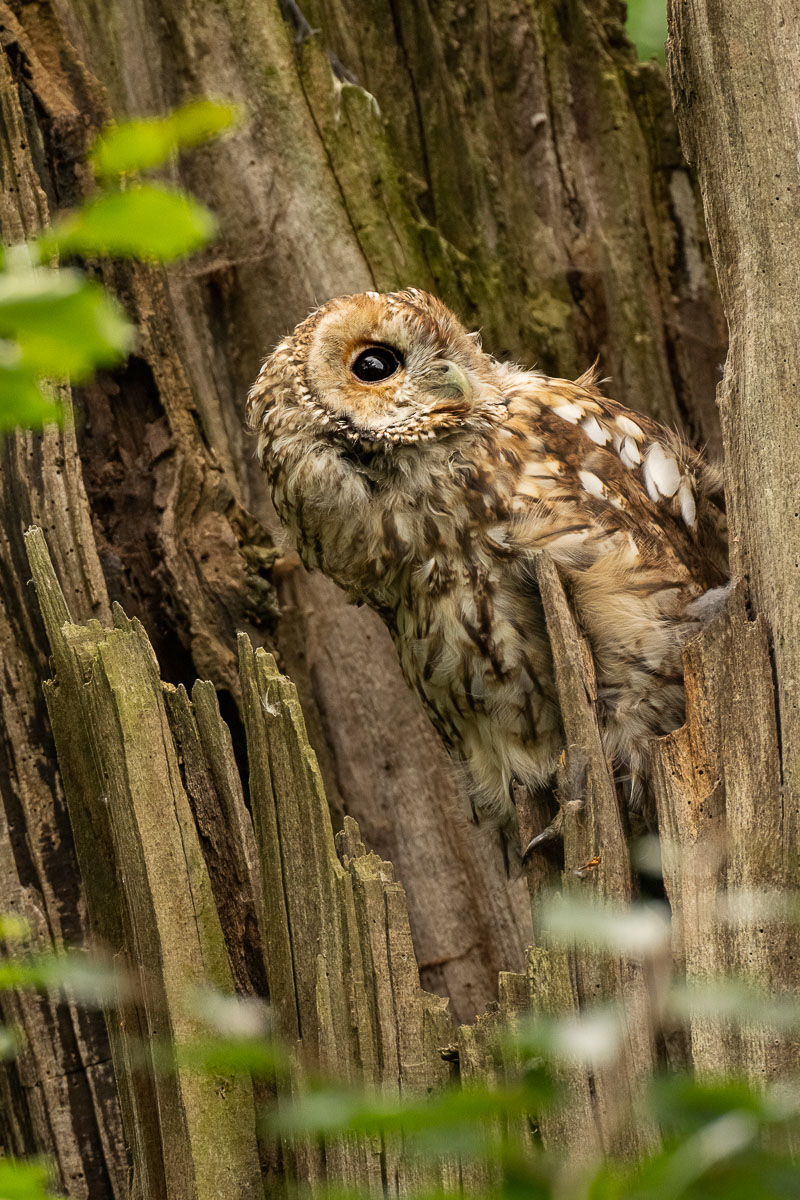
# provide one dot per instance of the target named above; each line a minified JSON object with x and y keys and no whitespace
{"x":58,"y":325}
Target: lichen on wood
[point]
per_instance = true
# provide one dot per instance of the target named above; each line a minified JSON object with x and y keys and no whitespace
{"x":149,"y":898}
{"x":731,"y":779}
{"x":596,"y":864}
{"x":340,"y":963}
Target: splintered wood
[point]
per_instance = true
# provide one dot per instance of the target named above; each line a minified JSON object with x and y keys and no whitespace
{"x":602,"y":1113}
{"x":186,"y":889}
{"x":150,"y":900}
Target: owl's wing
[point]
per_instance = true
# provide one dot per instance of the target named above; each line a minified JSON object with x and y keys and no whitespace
{"x":621,"y":470}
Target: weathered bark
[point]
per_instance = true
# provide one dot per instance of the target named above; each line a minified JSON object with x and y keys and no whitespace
{"x":340,"y":965}
{"x":729,"y":782}
{"x":519,"y":162}
{"x":718,"y":788}
{"x":603,"y":1115}
{"x":735,"y":73}
{"x":149,"y":898}
{"x":343,"y":978}
{"x":59,"y":1096}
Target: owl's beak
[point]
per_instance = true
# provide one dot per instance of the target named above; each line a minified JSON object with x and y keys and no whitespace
{"x":449,"y":378}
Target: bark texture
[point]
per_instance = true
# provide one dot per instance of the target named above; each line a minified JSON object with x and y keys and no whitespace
{"x":59,"y":1095}
{"x":149,"y":899}
{"x":731,"y":779}
{"x":602,"y":1115}
{"x":721,"y":822}
{"x":743,"y":135}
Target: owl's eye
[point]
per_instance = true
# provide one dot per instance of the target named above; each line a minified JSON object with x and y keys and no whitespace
{"x":375,"y":364}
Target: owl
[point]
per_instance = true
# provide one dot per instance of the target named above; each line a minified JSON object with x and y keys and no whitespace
{"x":423,"y":476}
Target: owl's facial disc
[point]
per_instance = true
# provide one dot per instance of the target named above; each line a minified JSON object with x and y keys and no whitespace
{"x":399,"y":399}
{"x":390,"y":370}
{"x":377,"y":364}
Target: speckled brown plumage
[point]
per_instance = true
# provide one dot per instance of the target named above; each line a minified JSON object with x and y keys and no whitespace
{"x":426,"y":494}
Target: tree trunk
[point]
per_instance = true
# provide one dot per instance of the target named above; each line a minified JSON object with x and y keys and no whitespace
{"x":516,"y":160}
{"x":743,"y":137}
{"x":732,"y":776}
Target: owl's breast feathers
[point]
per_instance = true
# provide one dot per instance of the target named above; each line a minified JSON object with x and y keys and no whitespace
{"x":439,"y":538}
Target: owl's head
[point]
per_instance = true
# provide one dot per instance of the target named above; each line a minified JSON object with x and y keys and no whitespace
{"x":376,"y":371}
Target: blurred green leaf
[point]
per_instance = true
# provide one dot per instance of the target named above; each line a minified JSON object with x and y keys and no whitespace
{"x":13,"y":927}
{"x":675,"y":1172}
{"x":86,"y":979}
{"x":64,"y":324}
{"x":232,"y":1056}
{"x":22,"y":401}
{"x":331,"y":1110}
{"x":685,"y":1104}
{"x":646,"y":27}
{"x":231,"y":1017}
{"x":526,"y":1176}
{"x":735,"y":1001}
{"x":59,"y":325}
{"x":754,"y":1175}
{"x":751,"y":1174}
{"x":24,"y":1180}
{"x":200,"y":120}
{"x":592,"y":1037}
{"x":139,"y":145}
{"x":146,"y":221}
{"x":640,"y":930}
{"x":34,"y":971}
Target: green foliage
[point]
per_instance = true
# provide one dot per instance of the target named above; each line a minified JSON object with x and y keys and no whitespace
{"x":146,"y":221}
{"x":61,"y":322}
{"x":721,"y":1139}
{"x":56,"y":324}
{"x":86,"y":979}
{"x":23,"y":399}
{"x":140,"y":145}
{"x":647,"y":27}
{"x":448,"y":1114}
{"x":24,"y":1180}
{"x":638,"y":930}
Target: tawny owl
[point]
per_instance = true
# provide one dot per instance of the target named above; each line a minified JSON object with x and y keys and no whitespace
{"x":422,"y":476}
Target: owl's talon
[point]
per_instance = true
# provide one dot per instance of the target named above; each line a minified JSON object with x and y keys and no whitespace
{"x":573,"y":772}
{"x":544,"y":840}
